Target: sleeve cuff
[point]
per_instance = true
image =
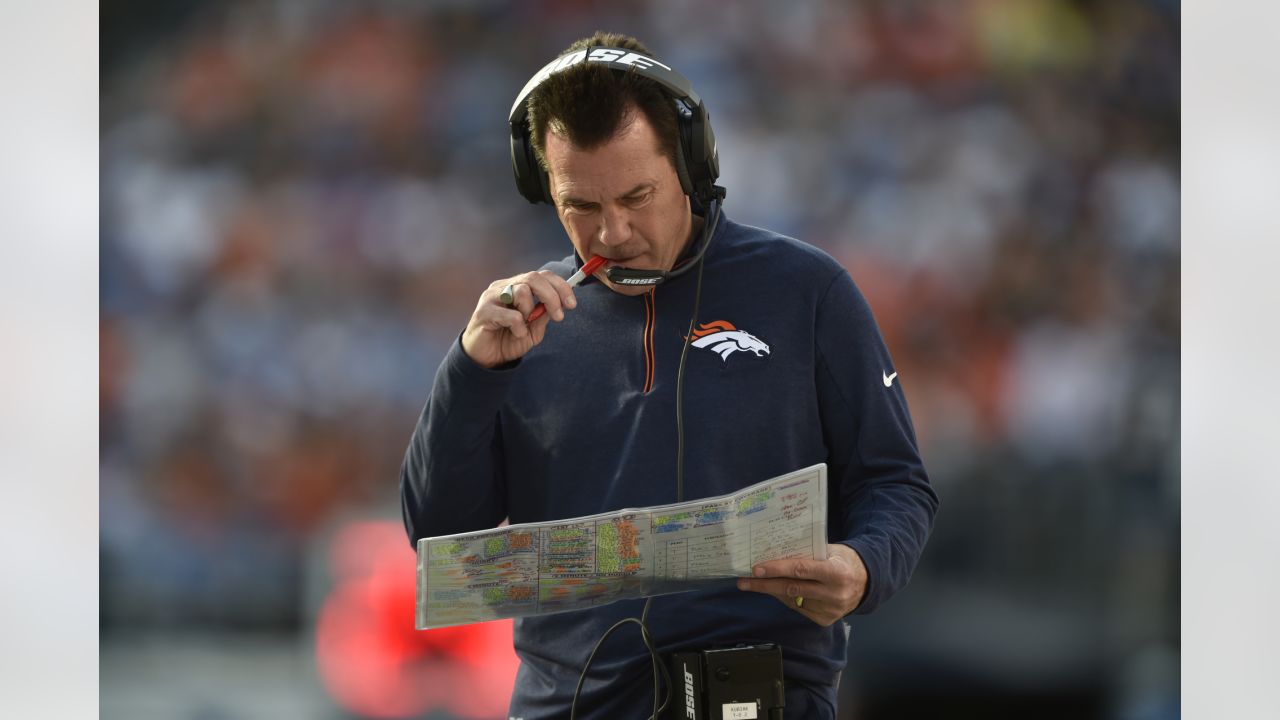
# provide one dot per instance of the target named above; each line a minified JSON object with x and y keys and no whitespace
{"x":460,"y":363}
{"x":470,"y":391}
{"x":867,"y":603}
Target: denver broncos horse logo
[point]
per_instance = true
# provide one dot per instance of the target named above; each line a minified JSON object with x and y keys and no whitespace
{"x":720,"y":336}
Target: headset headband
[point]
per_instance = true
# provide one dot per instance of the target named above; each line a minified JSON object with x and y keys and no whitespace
{"x":697,"y":164}
{"x":615,"y":58}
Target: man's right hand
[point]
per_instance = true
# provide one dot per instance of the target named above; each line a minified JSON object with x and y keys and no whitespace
{"x":498,"y":333}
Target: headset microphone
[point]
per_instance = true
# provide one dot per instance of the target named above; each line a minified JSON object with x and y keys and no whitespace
{"x":628,"y":276}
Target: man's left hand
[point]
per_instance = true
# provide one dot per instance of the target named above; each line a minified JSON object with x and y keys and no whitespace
{"x":830,"y":588}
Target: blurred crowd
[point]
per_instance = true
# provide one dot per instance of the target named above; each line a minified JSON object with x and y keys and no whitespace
{"x":301,"y":202}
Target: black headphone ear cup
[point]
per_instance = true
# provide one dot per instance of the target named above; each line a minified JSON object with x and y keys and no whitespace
{"x":697,"y":163}
{"x":708,"y":160}
{"x":531,"y":179}
{"x":682,"y":164}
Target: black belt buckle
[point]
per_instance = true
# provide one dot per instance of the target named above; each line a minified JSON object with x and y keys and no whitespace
{"x":743,"y":682}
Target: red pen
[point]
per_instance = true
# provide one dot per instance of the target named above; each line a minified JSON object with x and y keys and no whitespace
{"x":587,"y":268}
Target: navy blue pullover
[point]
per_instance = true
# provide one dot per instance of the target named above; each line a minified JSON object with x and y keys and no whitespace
{"x":585,"y":423}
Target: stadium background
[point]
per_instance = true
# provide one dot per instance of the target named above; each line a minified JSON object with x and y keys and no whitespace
{"x":301,"y":200}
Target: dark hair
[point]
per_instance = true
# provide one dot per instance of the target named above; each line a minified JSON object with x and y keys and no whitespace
{"x":588,"y":104}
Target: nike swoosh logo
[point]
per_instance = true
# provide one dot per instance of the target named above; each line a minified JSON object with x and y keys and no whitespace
{"x":888,"y":379}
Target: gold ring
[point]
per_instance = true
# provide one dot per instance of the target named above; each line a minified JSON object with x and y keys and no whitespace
{"x":508,"y":295}
{"x":799,"y":601}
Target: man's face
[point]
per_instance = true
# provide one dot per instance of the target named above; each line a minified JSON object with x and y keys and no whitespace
{"x":621,"y":200}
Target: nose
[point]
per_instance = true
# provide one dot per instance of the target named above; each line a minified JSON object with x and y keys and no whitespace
{"x":615,"y":227}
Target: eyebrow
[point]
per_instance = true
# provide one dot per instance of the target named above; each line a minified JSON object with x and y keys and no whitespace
{"x":571,"y":200}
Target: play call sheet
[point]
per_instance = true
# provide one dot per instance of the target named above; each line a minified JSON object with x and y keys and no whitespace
{"x":539,"y":568}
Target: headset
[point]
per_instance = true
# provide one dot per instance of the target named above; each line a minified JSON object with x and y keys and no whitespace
{"x":697,"y":163}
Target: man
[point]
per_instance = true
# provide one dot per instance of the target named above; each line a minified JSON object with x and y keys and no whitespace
{"x":575,"y":413}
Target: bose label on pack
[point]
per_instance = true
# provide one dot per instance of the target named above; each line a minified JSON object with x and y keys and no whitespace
{"x":738,"y":711}
{"x":690,"y":697}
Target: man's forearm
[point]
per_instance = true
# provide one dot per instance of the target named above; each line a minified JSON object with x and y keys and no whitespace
{"x":450,"y":480}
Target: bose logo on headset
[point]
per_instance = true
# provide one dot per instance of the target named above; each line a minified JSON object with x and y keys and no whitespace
{"x":600,"y":54}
